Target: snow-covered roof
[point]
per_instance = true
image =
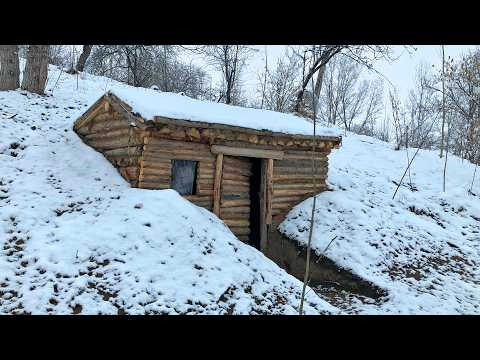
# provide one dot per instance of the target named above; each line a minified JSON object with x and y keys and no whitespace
{"x":150,"y":103}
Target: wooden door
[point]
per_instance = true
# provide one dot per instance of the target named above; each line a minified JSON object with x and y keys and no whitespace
{"x":235,"y":195}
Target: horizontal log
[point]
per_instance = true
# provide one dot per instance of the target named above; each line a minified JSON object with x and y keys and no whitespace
{"x":129,"y":172}
{"x":237,"y":223}
{"x":279,"y":215}
{"x":154,"y":178}
{"x":115,"y":133}
{"x":236,"y":171}
{"x":240,"y":231}
{"x":283,"y":206}
{"x":159,"y":172}
{"x":236,"y":210}
{"x":305,"y":154}
{"x":107,"y":121}
{"x":155,"y":141}
{"x":104,"y":126}
{"x":247,"y":152}
{"x":153,"y":185}
{"x":300,"y":163}
{"x":288,"y":199}
{"x":197,"y":197}
{"x":165,"y":164}
{"x":293,"y":192}
{"x":233,"y":203}
{"x":205,"y":191}
{"x":112,"y":143}
{"x":295,"y":177}
{"x":177,"y":145}
{"x":148,"y":156}
{"x":205,"y":177}
{"x":205,"y":168}
{"x":202,"y":188}
{"x":235,"y":177}
{"x":186,"y":153}
{"x":309,"y":185}
{"x":202,"y":203}
{"x":298,"y":192}
{"x":237,"y":161}
{"x":297,"y":170}
{"x":124,"y":151}
{"x":122,"y":161}
{"x":244,"y":238}
{"x":207,"y":165}
{"x":241,"y":182}
{"x":235,"y":189}
{"x":306,"y":157}
{"x":234,"y":216}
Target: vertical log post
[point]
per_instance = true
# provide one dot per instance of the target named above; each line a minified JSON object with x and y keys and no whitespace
{"x":269,"y":192}
{"x":266,"y":195}
{"x":217,"y":184}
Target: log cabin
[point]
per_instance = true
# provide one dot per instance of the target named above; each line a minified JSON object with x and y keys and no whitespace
{"x":248,"y":166}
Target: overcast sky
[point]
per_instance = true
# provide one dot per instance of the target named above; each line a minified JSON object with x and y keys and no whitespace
{"x":401,"y":72}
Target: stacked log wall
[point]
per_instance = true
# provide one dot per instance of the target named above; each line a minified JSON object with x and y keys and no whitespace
{"x":292,"y":180}
{"x":155,"y":166}
{"x":109,"y":132}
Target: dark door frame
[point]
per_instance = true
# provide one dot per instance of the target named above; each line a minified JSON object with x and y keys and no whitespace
{"x":266,"y":183}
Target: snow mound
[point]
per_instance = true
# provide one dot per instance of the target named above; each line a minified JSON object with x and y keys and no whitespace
{"x":77,"y":239}
{"x":423,"y":247}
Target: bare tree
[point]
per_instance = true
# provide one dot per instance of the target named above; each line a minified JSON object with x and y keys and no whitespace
{"x":230,"y":60}
{"x":59,"y":55}
{"x":132,"y":64}
{"x":9,"y":67}
{"x":382,"y":132}
{"x":263,"y":82}
{"x":147,"y":66}
{"x":423,"y":106}
{"x":82,"y":60}
{"x":347,"y":100}
{"x":313,"y":58}
{"x":316,"y":57}
{"x":397,"y":116}
{"x":282,"y":84}
{"x":373,"y":108}
{"x":36,"y":69}
{"x":461,"y":101}
{"x":443,"y":106}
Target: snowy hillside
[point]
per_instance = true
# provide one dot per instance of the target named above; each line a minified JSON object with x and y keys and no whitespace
{"x":76,"y":239}
{"x":423,"y":247}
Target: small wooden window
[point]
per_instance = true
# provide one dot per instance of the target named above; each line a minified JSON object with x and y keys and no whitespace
{"x":184,"y":176}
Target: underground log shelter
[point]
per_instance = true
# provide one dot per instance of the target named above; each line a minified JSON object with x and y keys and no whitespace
{"x":248,"y":166}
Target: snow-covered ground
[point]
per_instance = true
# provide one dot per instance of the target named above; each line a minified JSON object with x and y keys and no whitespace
{"x":75,"y":238}
{"x":423,"y":247}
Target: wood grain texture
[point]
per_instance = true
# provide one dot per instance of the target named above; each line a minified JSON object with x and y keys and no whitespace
{"x":217,"y":184}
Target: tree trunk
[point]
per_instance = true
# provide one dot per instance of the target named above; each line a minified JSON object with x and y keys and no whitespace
{"x":87,"y":49}
{"x":9,"y":67}
{"x":36,"y":69}
{"x":443,"y":101}
{"x":318,"y":86}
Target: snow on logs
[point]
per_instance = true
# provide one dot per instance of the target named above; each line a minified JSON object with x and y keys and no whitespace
{"x":143,"y":152}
